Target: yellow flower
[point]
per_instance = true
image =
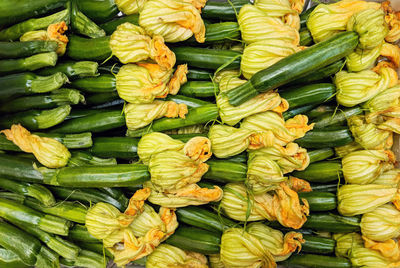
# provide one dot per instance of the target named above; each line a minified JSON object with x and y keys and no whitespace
{"x":392,"y":18}
{"x":344,"y":150}
{"x":386,"y":99}
{"x":390,"y":177}
{"x":362,"y":59}
{"x":346,"y":242}
{"x":49,"y":152}
{"x":286,"y":10}
{"x":365,"y":257}
{"x":129,"y":7}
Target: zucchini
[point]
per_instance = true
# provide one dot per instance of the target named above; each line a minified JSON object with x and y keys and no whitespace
{"x":320,"y":201}
{"x":339,"y":117}
{"x":118,"y":147}
{"x":320,"y":154}
{"x":321,"y":172}
{"x":99,"y":10}
{"x":47,"y":258}
{"x":198,"y":74}
{"x":85,"y":158}
{"x":328,"y":222}
{"x":24,"y":245}
{"x":204,"y":219}
{"x":98,"y":122}
{"x":199,"y":115}
{"x":327,"y":137}
{"x":36,"y":119}
{"x":295,"y":66}
{"x":306,"y":38}
{"x":318,"y":245}
{"x":15,"y":11}
{"x":223,"y":10}
{"x":71,"y":141}
{"x":11,"y":50}
{"x":207,"y":58}
{"x":101,"y":99}
{"x":97,"y":248}
{"x":187,"y":137}
{"x":194,"y":239}
{"x":86,"y":258}
{"x":308,"y":95}
{"x":17,"y":30}
{"x":299,"y":110}
{"x":19,"y":168}
{"x":116,"y":193}
{"x":37,"y":191}
{"x":18,"y":213}
{"x":80,"y":233}
{"x":32,"y":63}
{"x":10,"y":260}
{"x":314,"y":261}
{"x":111,"y":104}
{"x":81,"y":24}
{"x":218,"y":32}
{"x":112,"y":68}
{"x":321,"y":110}
{"x":331,"y":188}
{"x":55,"y":98}
{"x":110,"y":26}
{"x":226,"y":171}
{"x":199,"y":89}
{"x":104,"y":83}
{"x":190,"y":102}
{"x":78,"y":113}
{"x":304,"y":16}
{"x":95,"y":49}
{"x":16,"y":85}
{"x":73,"y":69}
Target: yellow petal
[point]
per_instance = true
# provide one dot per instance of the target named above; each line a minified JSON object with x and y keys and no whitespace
{"x":198,"y":149}
{"x":178,"y":79}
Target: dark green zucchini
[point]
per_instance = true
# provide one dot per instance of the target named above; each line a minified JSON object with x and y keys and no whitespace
{"x":304,"y":16}
{"x":47,"y":258}
{"x":187,"y":137}
{"x":98,"y":10}
{"x":306,"y":38}
{"x":71,"y":141}
{"x":99,"y":99}
{"x":199,"y":89}
{"x":320,"y":201}
{"x":295,"y":66}
{"x":116,"y":193}
{"x":315,"y":261}
{"x":85,"y":158}
{"x":218,"y":32}
{"x":81,"y":24}
{"x":96,"y":49}
{"x":80,"y":233}
{"x":190,"y":102}
{"x":308,"y":95}
{"x":32,"y":63}
{"x":11,"y":50}
{"x":328,"y":222}
{"x":321,"y":172}
{"x":73,"y":69}
{"x":331,"y":188}
{"x":19,"y":168}
{"x":100,"y":84}
{"x":318,"y":245}
{"x":223,"y":10}
{"x":112,"y":25}
{"x":325,"y":138}
{"x":339,"y":117}
{"x":226,"y":171}
{"x":10,"y":260}
{"x":299,"y":110}
{"x":320,"y":154}
{"x":199,"y":74}
{"x":119,"y":147}
{"x":321,"y":110}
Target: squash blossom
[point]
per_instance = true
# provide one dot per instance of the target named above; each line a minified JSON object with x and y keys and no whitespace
{"x":139,"y":115}
{"x":362,"y":59}
{"x":365,"y":257}
{"x":215,"y":261}
{"x":131,"y":44}
{"x":165,"y":256}
{"x":129,"y":7}
{"x":49,"y":152}
{"x":389,"y":249}
{"x":390,"y":177}
{"x":392,"y":18}
{"x":386,"y":99}
{"x":344,"y":150}
{"x":174,"y":20}
{"x":346,"y":242}
{"x":382,"y":223}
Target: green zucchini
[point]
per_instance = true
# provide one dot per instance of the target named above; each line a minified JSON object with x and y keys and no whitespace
{"x":314,"y":261}
{"x":11,"y":50}
{"x":81,"y":24}
{"x":17,"y":30}
{"x":78,"y":113}
{"x":321,"y":110}
{"x":199,"y":89}
{"x":320,"y":154}
{"x":99,"y":10}
{"x":339,"y":117}
{"x":295,"y":66}
{"x":100,"y":99}
{"x":321,"y":172}
{"x":304,"y":16}
{"x":16,"y":85}
{"x":198,"y":74}
{"x":187,"y":137}
{"x":80,"y":233}
{"x":218,"y":32}
{"x":47,"y":258}
{"x":10,"y":260}
{"x":116,"y":193}
{"x":112,"y":68}
{"x":55,"y":98}
{"x":190,"y":102}
{"x":204,"y":219}
{"x":19,"y":168}
{"x":111,"y":104}
{"x":226,"y":171}
{"x":308,"y":95}
{"x":331,"y":188}
{"x":104,"y":83}
{"x":97,"y":122}
{"x":324,"y":138}
{"x":36,"y":119}
{"x":194,"y":239}
{"x":328,"y":222}
{"x":37,"y":191}
{"x":86,"y":258}
{"x":95,"y":49}
{"x":320,"y":201}
{"x":299,"y":110}
{"x":15,"y":11}
{"x":318,"y":245}
{"x":110,"y":26}
{"x":73,"y":69}
{"x":18,"y":213}
{"x":207,"y":58}
{"x":306,"y":38}
{"x":118,"y":147}
{"x":199,"y":115}
{"x":84,"y":158}
{"x":71,"y":141}
{"x":24,"y":245}
{"x":32,"y":63}
{"x":223,"y":10}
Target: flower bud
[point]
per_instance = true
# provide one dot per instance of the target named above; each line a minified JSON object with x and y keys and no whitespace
{"x":362,"y":59}
{"x":365,"y":257}
{"x":385,"y":99}
{"x":390,"y":177}
{"x":129,"y":7}
{"x":346,"y":242}
{"x":344,"y":150}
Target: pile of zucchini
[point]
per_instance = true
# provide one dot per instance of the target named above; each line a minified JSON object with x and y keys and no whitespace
{"x":204,"y":133}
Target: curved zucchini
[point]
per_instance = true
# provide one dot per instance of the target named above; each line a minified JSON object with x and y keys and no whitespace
{"x":327,"y":137}
{"x":308,"y":95}
{"x":320,"y":201}
{"x":96,"y":49}
{"x":321,"y":172}
{"x":11,"y":50}
{"x":321,"y":110}
{"x":81,"y":24}
{"x":199,"y":89}
{"x":338,"y":118}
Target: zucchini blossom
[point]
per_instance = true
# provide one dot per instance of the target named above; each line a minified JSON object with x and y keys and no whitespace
{"x":232,"y":115}
{"x":365,"y":257}
{"x":129,"y":7}
{"x":131,"y":44}
{"x":326,"y":20}
{"x":389,"y":249}
{"x":386,"y":99}
{"x":227,"y":141}
{"x":390,"y":177}
{"x":256,"y":25}
{"x":175,"y":20}
{"x":215,"y":261}
{"x":281,"y":204}
{"x":262,"y":54}
{"x":55,"y":32}
{"x":391,"y":53}
{"x":139,"y":115}
{"x":356,"y":199}
{"x":344,"y":150}
{"x":392,"y":18}
{"x":371,"y":27}
{"x":49,"y":152}
{"x":143,"y":82}
{"x":362,"y":59}
{"x":166,"y":256}
{"x":346,"y":242}
{"x":271,"y":122}
{"x":382,"y":223}
{"x":286,"y":10}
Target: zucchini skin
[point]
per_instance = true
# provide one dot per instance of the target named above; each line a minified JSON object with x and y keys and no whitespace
{"x":320,"y":201}
{"x":226,"y":171}
{"x":331,"y":188}
{"x":327,"y":137}
{"x":10,"y":260}
{"x":110,"y":26}
{"x":73,"y":69}
{"x":295,"y":66}
{"x":318,"y":245}
{"x":329,"y":222}
{"x":98,"y":99}
{"x":104,"y":83}
{"x":99,"y":10}
{"x":308,"y":95}
{"x":24,"y":245}
{"x":321,"y":172}
{"x":316,"y":261}
{"x":190,"y":102}
{"x":320,"y":110}
{"x":196,"y":74}
{"x":96,"y":49}
{"x":306,"y":38}
{"x":304,"y":16}
{"x":31,"y":63}
{"x":299,"y":110}
{"x":118,"y":147}
{"x":199,"y":89}
{"x":222,"y":10}
{"x":207,"y":58}
{"x":19,"y":168}
{"x":11,"y":50}
{"x":338,"y":118}
{"x":195,"y":239}
{"x":218,"y":32}
{"x":320,"y":154}
{"x":80,"y":233}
